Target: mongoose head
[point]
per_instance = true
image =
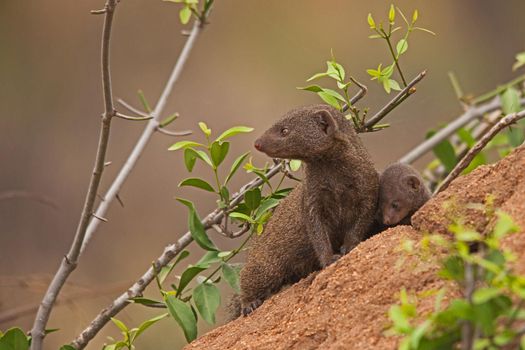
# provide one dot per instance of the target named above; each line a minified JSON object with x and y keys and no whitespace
{"x":401,"y":193}
{"x":305,"y":133}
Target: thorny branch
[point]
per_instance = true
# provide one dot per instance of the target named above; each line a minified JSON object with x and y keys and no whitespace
{"x":69,"y":262}
{"x":465,"y":161}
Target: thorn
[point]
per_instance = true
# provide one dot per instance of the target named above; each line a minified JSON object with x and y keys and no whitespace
{"x":119,"y":200}
{"x":98,"y":12}
{"x":107,"y":163}
{"x":99,"y":217}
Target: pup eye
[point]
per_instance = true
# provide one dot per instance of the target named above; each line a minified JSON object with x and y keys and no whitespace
{"x":285,"y":131}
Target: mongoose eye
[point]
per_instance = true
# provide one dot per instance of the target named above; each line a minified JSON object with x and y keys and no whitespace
{"x":285,"y":131}
{"x":395,"y":206}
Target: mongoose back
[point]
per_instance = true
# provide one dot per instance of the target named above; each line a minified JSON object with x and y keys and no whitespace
{"x":401,"y":193}
{"x":330,"y":211}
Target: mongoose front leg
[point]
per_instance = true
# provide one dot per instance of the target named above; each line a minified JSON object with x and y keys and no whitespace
{"x":318,"y":235}
{"x":357,"y":233}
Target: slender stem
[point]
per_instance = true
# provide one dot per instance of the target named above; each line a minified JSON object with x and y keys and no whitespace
{"x":465,"y":161}
{"x":70,"y":261}
{"x":498,"y":90}
{"x":396,"y":60}
{"x":398,"y":99}
{"x":149,"y":130}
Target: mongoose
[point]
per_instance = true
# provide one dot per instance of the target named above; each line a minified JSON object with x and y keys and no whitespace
{"x":330,"y":211}
{"x":401,"y":193}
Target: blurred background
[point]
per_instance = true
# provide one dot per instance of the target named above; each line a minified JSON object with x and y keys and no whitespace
{"x":244,"y":70}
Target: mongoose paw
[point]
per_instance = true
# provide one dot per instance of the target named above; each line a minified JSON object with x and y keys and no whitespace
{"x":335,"y":257}
{"x":248,"y":309}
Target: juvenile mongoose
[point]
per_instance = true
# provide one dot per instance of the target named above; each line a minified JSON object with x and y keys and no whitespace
{"x":330,"y":211}
{"x":401,"y":193}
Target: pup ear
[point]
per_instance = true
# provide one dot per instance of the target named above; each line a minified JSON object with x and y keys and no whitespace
{"x":327,"y":122}
{"x":412,"y":182}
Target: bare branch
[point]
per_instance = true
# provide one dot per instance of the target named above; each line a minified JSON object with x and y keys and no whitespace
{"x":149,"y":129}
{"x":471,"y":114}
{"x":396,"y":101}
{"x":360,"y":94}
{"x":227,"y":233}
{"x":169,"y":253}
{"x":465,"y":161}
{"x":69,"y":262}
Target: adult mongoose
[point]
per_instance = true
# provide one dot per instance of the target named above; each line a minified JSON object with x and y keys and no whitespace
{"x":328,"y":213}
{"x":401,"y":193}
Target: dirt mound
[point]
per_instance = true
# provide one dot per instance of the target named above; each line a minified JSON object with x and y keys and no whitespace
{"x":345,"y":306}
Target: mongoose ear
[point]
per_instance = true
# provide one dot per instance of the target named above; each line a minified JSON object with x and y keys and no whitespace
{"x":327,"y":122}
{"x":412,"y":182}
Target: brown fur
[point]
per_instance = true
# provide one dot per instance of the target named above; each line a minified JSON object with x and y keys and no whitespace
{"x":331,"y":211}
{"x":401,"y":193}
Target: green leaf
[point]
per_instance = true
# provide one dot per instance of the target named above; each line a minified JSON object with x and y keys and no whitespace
{"x":14,"y":339}
{"x":207,"y":299}
{"x":510,"y":101}
{"x":402,"y":46}
{"x":468,"y":236}
{"x":120,"y":325}
{"x":202,"y":156}
{"x":317,"y":76}
{"x":399,"y":319}
{"x":332,"y":101}
{"x":391,"y":14}
{"x":444,"y":151}
{"x":231,"y":275}
{"x":218,"y":152}
{"x":197,"y":228}
{"x":183,"y":315}
{"x":144,"y":101}
{"x":205,"y":129}
{"x":266,"y":205}
{"x":520,"y":61}
{"x":373,"y":73}
{"x":144,"y":301}
{"x":67,"y":347}
{"x":394,"y":85}
{"x":371,"y":21}
{"x":295,"y":164}
{"x":252,"y":198}
{"x":209,"y":258}
{"x":184,"y":144}
{"x":234,"y":131}
{"x":189,"y":159}
{"x":146,"y":324}
{"x":196,"y":182}
{"x":166,"y":270}
{"x":418,"y":333}
{"x":504,"y":225}
{"x":335,"y":71}
{"x":466,"y":136}
{"x":188,"y":275}
{"x":483,"y":295}
{"x":415,"y":16}
{"x":334,"y":94}
{"x":168,"y":120}
{"x":185,"y":15}
{"x":314,"y":88}
{"x":236,"y":164}
{"x":241,"y":216}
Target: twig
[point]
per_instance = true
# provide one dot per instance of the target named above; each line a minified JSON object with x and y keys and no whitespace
{"x":174,"y":133}
{"x":400,"y":97}
{"x":227,"y":233}
{"x":359,"y":95}
{"x":69,"y":262}
{"x":466,"y":328}
{"x":127,"y":117}
{"x":149,"y":130}
{"x":13,"y":194}
{"x":465,"y":161}
{"x":132,"y":109}
{"x":169,"y":253}
{"x":471,"y":114}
